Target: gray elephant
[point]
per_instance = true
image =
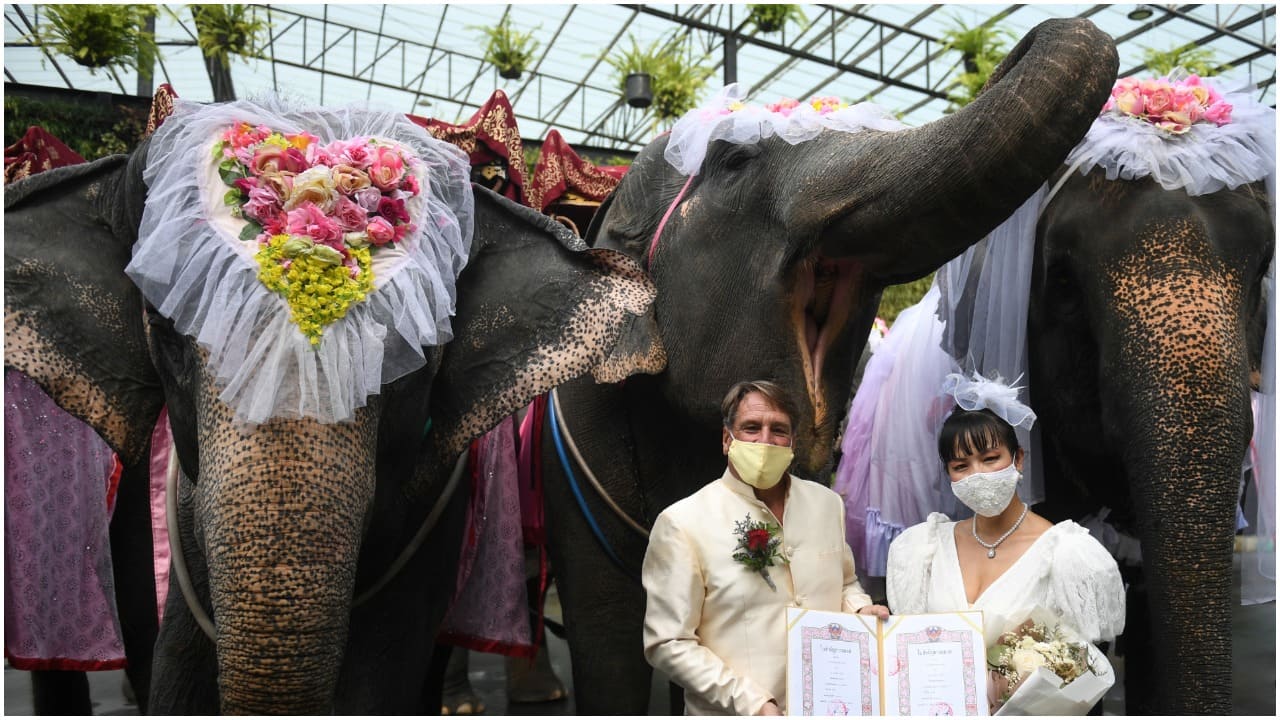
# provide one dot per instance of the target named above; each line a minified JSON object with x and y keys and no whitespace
{"x":770,"y":264}
{"x":1126,"y":298}
{"x":1144,"y":328}
{"x":286,"y":525}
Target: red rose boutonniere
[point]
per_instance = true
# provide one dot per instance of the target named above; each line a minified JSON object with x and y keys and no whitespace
{"x":757,"y":547}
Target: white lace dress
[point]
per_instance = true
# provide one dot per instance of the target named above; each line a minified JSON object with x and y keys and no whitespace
{"x":1065,"y":571}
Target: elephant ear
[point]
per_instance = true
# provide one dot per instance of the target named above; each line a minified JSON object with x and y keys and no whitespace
{"x":73,"y":321}
{"x":536,"y":307}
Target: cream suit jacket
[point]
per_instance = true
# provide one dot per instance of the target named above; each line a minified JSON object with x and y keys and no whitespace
{"x":713,"y":625}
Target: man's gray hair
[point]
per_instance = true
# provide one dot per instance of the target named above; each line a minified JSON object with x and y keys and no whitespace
{"x":774,"y":392}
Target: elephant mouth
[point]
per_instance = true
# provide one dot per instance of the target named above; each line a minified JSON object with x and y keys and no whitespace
{"x":824,"y":288}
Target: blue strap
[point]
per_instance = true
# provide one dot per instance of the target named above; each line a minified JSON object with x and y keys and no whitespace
{"x":577,"y":493}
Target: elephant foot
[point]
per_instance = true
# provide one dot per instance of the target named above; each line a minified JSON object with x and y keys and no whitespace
{"x":458,"y":697}
{"x":533,"y":682}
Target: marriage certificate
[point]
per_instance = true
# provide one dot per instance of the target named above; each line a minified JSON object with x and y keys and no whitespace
{"x":843,"y":664}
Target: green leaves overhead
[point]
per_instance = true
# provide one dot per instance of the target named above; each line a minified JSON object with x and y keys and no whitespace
{"x":981,"y":49}
{"x":511,"y":51}
{"x":100,"y":36}
{"x":676,"y":80}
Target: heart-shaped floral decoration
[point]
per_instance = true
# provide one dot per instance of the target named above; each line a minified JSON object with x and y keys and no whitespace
{"x":317,"y":213}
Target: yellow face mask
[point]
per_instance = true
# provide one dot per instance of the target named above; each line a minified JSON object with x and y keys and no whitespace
{"x":759,"y":465}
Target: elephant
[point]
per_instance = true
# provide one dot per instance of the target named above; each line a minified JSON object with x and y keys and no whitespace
{"x":772,"y":268}
{"x":1144,"y":325}
{"x":289,"y":527}
{"x":1125,"y":300}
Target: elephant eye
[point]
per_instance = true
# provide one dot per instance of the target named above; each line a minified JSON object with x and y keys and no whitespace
{"x":734,"y":156}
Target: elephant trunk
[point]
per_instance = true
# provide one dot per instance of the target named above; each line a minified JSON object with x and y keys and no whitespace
{"x":1180,"y":403}
{"x":280,"y":510}
{"x":956,"y":179}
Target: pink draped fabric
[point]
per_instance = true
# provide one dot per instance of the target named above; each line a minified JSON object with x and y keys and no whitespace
{"x":161,"y":442}
{"x":59,"y":595}
{"x":490,"y":611}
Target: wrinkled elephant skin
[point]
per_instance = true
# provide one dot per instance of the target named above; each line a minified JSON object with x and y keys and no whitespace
{"x":771,"y":267}
{"x":1142,"y":305}
{"x":283,"y":523}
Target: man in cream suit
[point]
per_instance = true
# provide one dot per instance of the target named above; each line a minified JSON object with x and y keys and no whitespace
{"x":713,"y":625}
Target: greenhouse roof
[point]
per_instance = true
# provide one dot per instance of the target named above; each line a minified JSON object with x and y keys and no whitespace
{"x":426,"y":58}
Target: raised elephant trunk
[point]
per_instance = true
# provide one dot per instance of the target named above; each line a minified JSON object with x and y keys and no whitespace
{"x":1183,"y":421}
{"x":959,"y":177}
{"x":280,"y":509}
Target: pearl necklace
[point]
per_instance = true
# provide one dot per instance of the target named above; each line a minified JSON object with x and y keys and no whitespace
{"x":991,"y":548}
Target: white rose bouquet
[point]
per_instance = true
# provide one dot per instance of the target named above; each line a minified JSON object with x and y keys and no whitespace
{"x":1040,"y":668}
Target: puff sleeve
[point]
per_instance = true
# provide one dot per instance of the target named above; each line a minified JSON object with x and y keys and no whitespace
{"x":1085,"y":588}
{"x":910,"y":566}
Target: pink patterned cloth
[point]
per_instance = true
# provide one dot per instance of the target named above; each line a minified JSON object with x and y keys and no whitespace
{"x":59,"y":594}
{"x":490,"y":612}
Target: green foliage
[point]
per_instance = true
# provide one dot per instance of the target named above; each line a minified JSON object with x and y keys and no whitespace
{"x":226,"y":30}
{"x":509,"y":50}
{"x":982,"y":48}
{"x":771,"y":18}
{"x":1190,"y":57}
{"x":897,"y":298}
{"x":675,"y":81}
{"x":100,"y":36}
{"x":93,"y":130}
{"x":531,"y":155}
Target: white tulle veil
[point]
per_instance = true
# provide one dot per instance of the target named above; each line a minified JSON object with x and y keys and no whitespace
{"x":191,"y":265}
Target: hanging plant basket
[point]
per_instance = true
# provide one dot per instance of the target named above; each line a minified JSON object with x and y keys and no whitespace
{"x":639,"y":90}
{"x":510,"y":51}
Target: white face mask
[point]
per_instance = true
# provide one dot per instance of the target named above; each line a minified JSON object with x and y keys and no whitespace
{"x":759,"y":465}
{"x":988,"y":493}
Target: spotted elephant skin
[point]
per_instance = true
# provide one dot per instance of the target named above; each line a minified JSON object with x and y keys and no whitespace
{"x":1143,"y":332}
{"x":771,"y":267}
{"x":284,"y":523}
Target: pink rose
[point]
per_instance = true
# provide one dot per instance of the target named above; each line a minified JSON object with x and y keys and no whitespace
{"x":404,"y":229}
{"x":1218,"y":113}
{"x":348,"y":179}
{"x":263,"y":203}
{"x":245,"y":185}
{"x":276,"y":224}
{"x":318,"y":155}
{"x":410,"y":184}
{"x":349,"y":215}
{"x":386,"y":169}
{"x":281,"y":185}
{"x":309,"y":220}
{"x":1159,"y":101}
{"x":393,"y":210}
{"x":1129,"y":102}
{"x":273,"y":159}
{"x":368,"y":198}
{"x":357,"y":155}
{"x":380,"y":231}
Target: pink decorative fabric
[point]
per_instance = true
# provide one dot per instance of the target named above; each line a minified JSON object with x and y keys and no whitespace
{"x":490,"y":611}
{"x":59,"y":595}
{"x":161,"y":441}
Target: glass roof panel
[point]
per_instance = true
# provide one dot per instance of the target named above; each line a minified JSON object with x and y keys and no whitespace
{"x":426,"y":58}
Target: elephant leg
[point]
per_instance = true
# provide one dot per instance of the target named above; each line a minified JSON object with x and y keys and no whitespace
{"x":184,"y":678}
{"x":457,"y":695}
{"x":60,"y":692}
{"x":389,"y":666}
{"x":604,"y":623}
{"x":1141,"y":682}
{"x":133,"y":566}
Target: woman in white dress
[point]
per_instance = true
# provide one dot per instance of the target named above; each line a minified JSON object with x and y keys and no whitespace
{"x":1007,"y":560}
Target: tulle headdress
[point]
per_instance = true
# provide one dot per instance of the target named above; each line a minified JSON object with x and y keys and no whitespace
{"x":728,"y":117}
{"x":976,"y":392}
{"x":313,"y":252}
